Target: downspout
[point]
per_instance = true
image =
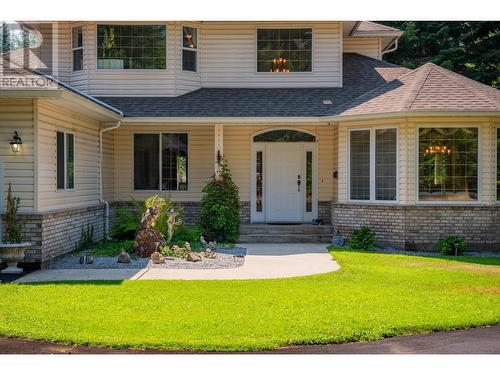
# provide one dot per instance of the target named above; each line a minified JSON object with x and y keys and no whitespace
{"x":391,"y":49}
{"x":101,"y":184}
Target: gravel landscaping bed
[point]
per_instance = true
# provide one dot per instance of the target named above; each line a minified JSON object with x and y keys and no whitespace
{"x":226,"y":258}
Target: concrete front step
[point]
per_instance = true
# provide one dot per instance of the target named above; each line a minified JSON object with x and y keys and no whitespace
{"x":265,"y":233}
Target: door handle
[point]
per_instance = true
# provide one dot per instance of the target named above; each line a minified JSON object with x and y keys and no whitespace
{"x":298,"y":183}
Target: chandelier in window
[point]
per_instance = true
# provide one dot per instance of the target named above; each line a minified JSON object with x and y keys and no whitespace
{"x":438,"y":150}
{"x":280,"y":65}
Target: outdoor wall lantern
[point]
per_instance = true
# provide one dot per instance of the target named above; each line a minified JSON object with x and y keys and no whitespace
{"x":16,"y":143}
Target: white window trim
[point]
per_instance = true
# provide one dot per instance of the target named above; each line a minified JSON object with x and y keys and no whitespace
{"x":76,"y":49}
{"x":372,"y":130}
{"x":190,"y":49}
{"x":65,"y":132}
{"x":131,"y":24}
{"x":160,"y":144}
{"x":479,"y":164}
{"x":256,"y":57}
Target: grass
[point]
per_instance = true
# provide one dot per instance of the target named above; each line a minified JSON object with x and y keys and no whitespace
{"x":372,"y":296}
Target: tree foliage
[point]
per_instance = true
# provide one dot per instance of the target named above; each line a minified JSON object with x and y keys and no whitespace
{"x":465,"y":47}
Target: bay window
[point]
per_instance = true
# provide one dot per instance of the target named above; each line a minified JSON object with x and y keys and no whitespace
{"x":77,"y":48}
{"x":373,"y":164}
{"x":448,"y":164}
{"x":189,"y":48}
{"x":131,"y":47}
{"x":161,"y":158}
{"x":284,"y":50}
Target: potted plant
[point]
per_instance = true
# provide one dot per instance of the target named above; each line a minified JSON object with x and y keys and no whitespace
{"x":12,"y":249}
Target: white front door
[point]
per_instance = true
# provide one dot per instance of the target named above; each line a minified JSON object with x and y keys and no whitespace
{"x":284,"y":195}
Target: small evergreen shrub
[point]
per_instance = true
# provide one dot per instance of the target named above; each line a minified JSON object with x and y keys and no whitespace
{"x":362,"y":239}
{"x":220,"y":211}
{"x":189,"y":234}
{"x":13,"y":227}
{"x":451,"y":245}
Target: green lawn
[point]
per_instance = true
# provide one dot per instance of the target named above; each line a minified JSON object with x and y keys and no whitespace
{"x":372,"y":296}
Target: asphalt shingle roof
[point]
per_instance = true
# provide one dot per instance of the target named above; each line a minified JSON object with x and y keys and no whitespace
{"x":370,"y":86}
{"x":361,"y":74}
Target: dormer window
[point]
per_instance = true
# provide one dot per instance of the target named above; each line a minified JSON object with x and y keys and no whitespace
{"x":284,"y":50}
{"x":77,"y":48}
{"x":131,"y":47}
{"x":189,"y":48}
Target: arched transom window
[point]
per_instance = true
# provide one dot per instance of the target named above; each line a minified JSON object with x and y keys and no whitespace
{"x":284,"y":135}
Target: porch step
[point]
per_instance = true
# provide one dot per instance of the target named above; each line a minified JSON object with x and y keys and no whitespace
{"x":272,"y":233}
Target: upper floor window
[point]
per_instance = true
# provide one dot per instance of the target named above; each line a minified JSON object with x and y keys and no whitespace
{"x":284,"y":50}
{"x":448,"y":164}
{"x":373,"y":164}
{"x":161,"y":157}
{"x":65,"y":153}
{"x":77,"y":47}
{"x":189,"y":48}
{"x":131,"y":47}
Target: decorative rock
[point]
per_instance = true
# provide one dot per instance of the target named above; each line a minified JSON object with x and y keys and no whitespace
{"x":157,"y":258}
{"x":212,"y":245}
{"x":147,"y":242}
{"x":123,"y":257}
{"x":193,"y":257}
{"x":338,"y":240}
{"x":203,"y":242}
{"x":209,"y":254}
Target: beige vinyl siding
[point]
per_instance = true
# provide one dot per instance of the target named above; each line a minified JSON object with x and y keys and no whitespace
{"x":408,"y":159}
{"x":200,"y":160}
{"x":118,"y":82}
{"x":18,"y":169}
{"x":237,"y":151}
{"x":51,"y":119}
{"x":229,"y":56}
{"x":364,"y":46}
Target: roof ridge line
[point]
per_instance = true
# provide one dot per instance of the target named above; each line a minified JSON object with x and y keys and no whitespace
{"x":466,"y":86}
{"x":422,"y":82}
{"x":379,"y":87}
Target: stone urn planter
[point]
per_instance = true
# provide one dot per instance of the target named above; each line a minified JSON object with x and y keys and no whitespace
{"x":12,"y":254}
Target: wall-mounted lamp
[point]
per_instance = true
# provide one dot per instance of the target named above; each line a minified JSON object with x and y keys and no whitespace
{"x":16,"y":143}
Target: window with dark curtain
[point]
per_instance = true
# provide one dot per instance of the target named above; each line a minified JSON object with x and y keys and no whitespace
{"x":360,"y":164}
{"x":70,"y":161}
{"x":385,"y":164}
{"x":146,"y":161}
{"x":60,"y":160}
{"x":174,"y":161}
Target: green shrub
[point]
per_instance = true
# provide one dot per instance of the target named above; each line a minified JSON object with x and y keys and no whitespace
{"x":220,"y":212}
{"x":451,"y":245}
{"x":128,"y":217}
{"x":362,"y":239}
{"x":111,"y":248}
{"x":189,"y":234}
{"x":13,"y":227}
{"x":86,"y":238}
{"x":164,"y":206}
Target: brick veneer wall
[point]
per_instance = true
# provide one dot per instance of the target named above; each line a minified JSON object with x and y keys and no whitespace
{"x":419,"y":227}
{"x":55,"y":233}
{"x":324,"y":211}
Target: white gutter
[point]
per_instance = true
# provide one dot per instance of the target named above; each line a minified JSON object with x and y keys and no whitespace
{"x":391,"y":49}
{"x":101,"y":184}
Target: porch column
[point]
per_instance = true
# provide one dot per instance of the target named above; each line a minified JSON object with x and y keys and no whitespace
{"x":219,"y":146}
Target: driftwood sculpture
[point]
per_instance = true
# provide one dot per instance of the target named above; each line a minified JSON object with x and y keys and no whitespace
{"x":147,"y":239}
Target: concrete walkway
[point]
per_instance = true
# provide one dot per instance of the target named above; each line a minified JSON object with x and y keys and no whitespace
{"x":263,"y":261}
